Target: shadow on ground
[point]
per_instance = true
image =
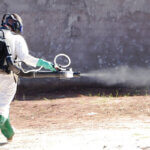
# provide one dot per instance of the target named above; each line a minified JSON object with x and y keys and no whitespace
{"x":74,"y":90}
{"x":4,"y":143}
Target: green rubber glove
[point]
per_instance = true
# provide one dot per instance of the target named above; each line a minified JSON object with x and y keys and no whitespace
{"x":45,"y":64}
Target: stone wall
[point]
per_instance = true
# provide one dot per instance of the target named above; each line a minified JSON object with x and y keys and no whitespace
{"x":96,"y":34}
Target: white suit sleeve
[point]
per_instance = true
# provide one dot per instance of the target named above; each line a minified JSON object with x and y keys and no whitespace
{"x":22,"y":52}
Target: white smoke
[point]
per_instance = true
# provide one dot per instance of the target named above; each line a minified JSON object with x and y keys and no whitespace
{"x":121,"y":75}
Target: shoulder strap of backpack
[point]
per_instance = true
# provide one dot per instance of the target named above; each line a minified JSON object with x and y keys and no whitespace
{"x":2,"y":38}
{"x":2,"y":34}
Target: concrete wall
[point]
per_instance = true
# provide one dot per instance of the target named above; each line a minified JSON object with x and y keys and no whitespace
{"x":95,"y":33}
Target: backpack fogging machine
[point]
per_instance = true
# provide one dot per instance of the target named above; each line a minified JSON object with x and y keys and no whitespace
{"x":62,"y":71}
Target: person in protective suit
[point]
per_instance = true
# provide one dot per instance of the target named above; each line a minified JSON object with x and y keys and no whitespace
{"x":12,"y":27}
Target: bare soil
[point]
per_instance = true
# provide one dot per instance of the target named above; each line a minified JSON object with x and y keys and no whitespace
{"x":81,"y":122}
{"x":78,"y":111}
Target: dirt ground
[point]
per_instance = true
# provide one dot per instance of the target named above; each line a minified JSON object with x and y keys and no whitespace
{"x":82,"y":122}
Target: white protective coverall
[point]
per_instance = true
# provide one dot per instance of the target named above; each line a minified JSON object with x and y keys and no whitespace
{"x":19,"y":49}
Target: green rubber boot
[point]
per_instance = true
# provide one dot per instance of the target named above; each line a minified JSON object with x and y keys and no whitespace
{"x":6,"y":128}
{"x":2,"y":121}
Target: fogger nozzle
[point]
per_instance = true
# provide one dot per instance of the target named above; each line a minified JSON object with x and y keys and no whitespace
{"x":76,"y":74}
